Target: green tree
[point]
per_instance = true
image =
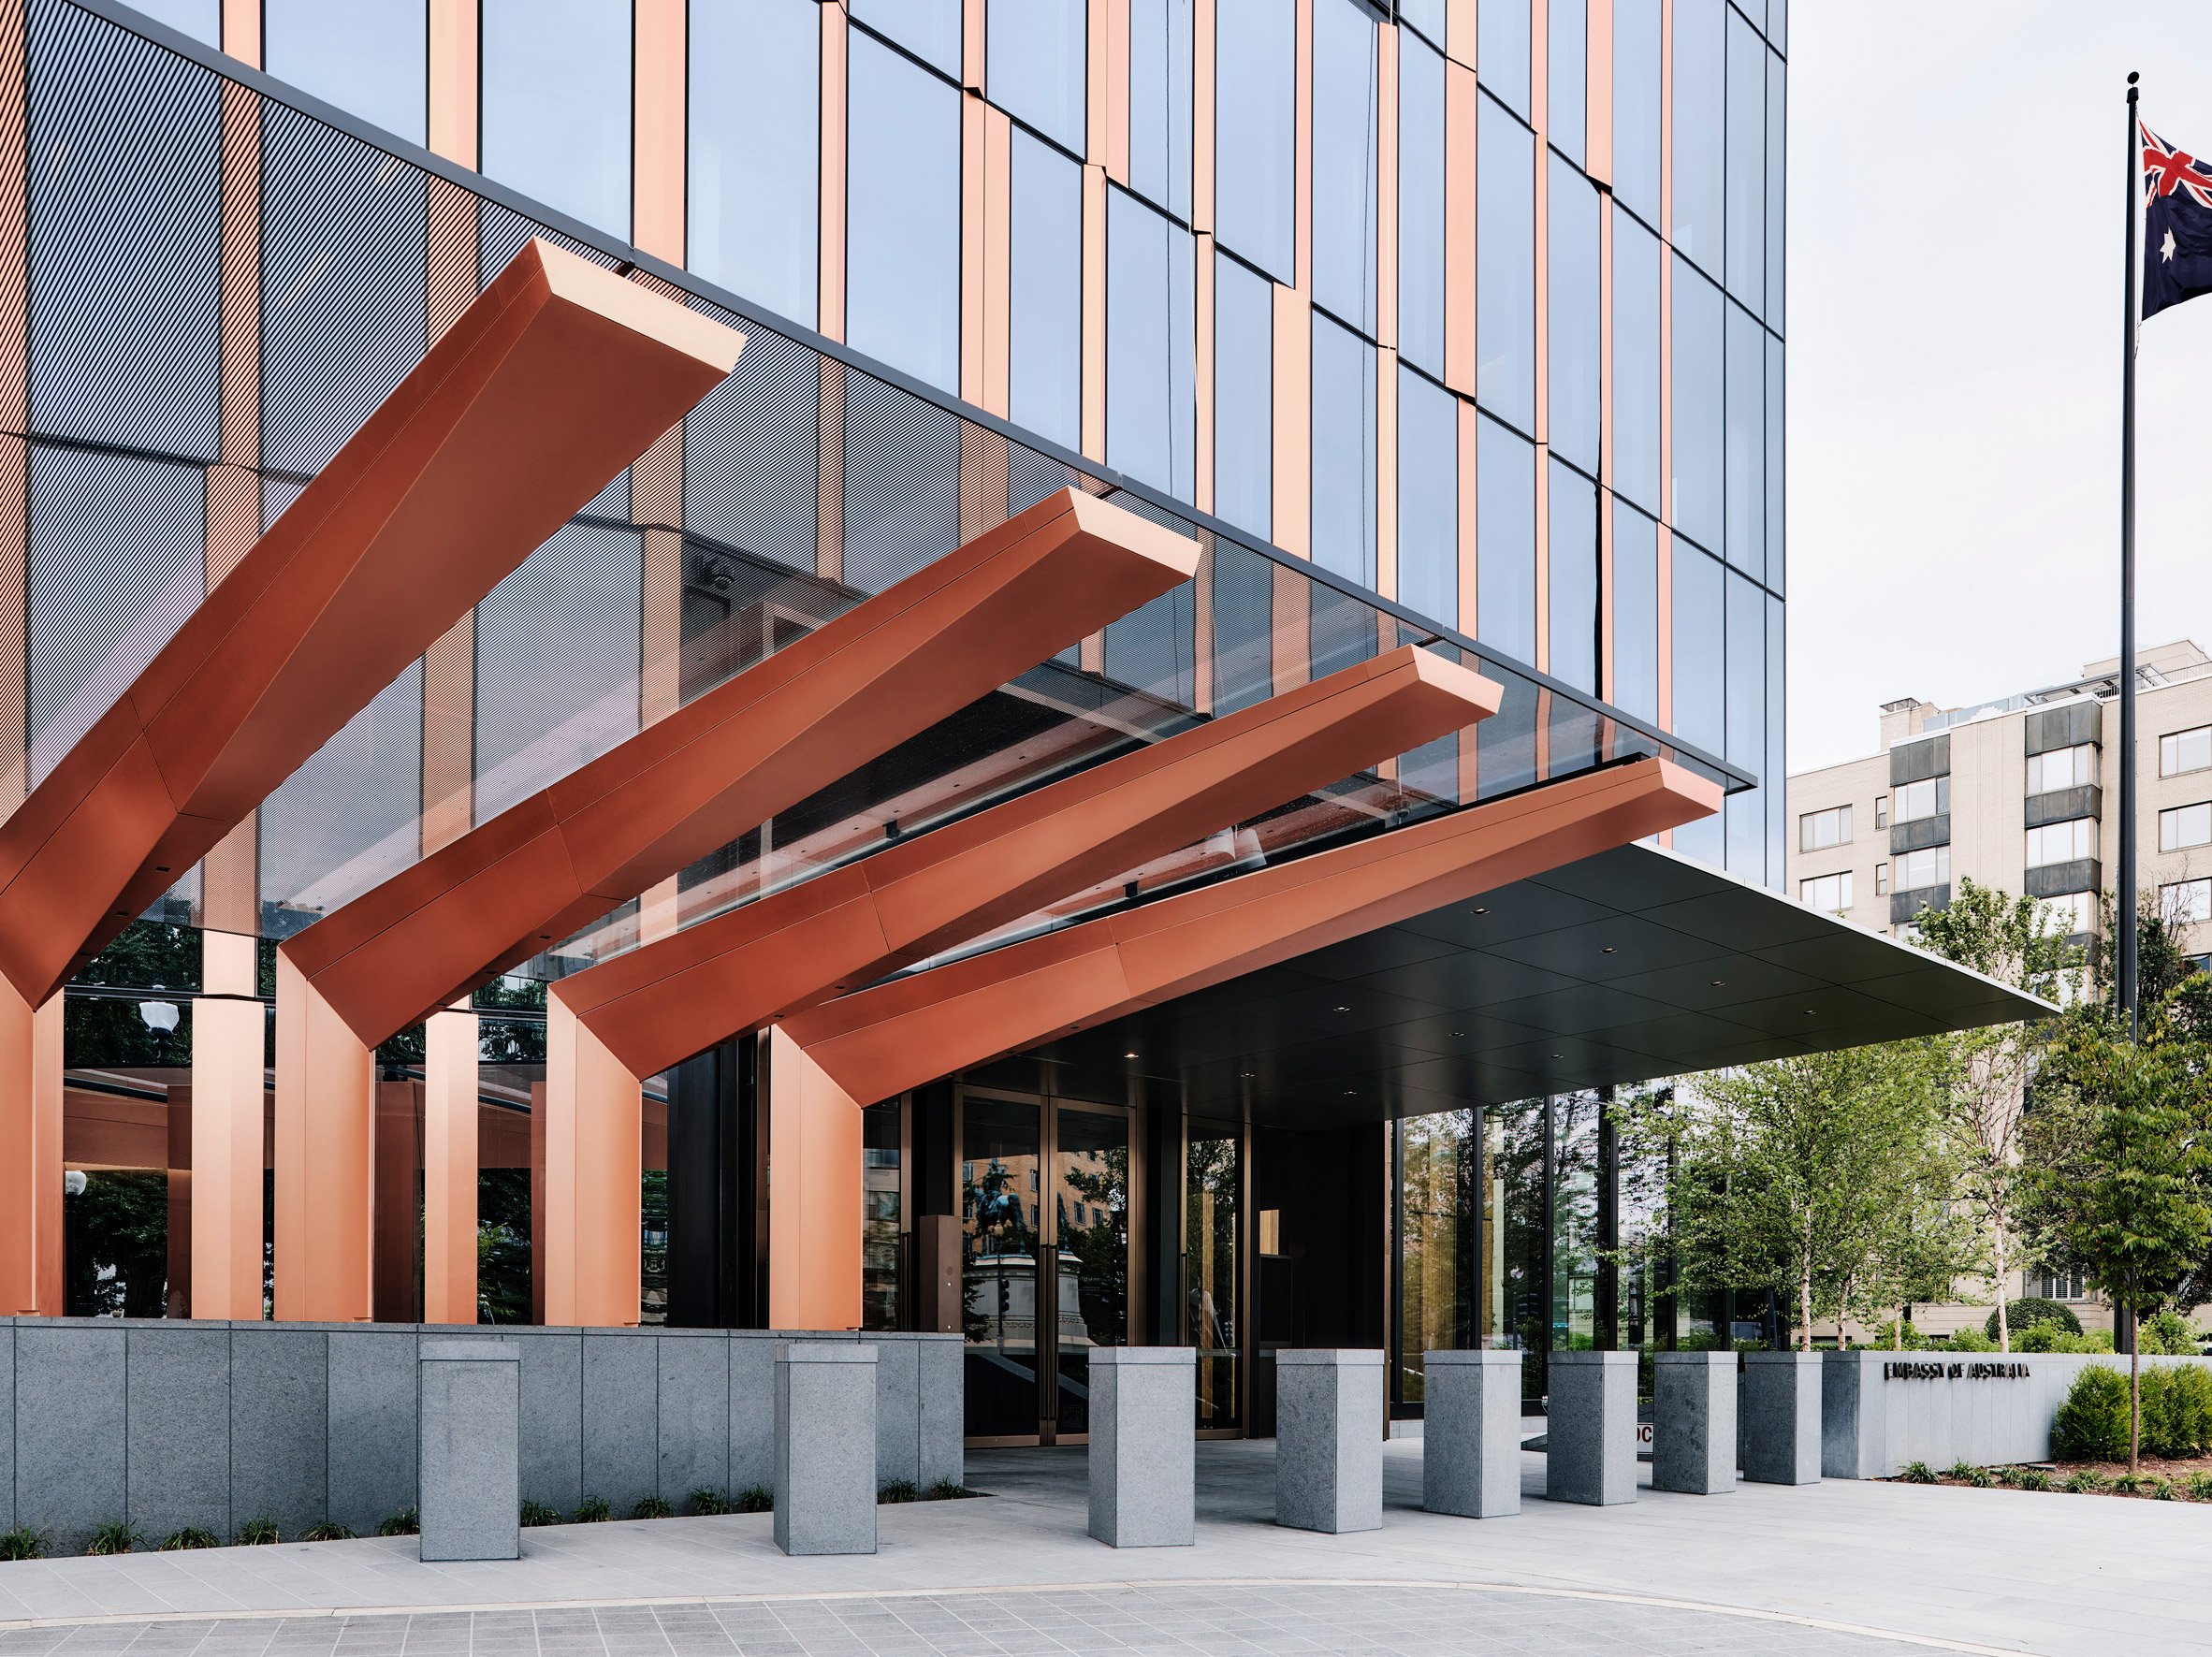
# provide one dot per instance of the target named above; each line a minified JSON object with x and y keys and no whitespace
{"x":1818,"y":1177}
{"x":2114,"y":1169}
{"x":2013,"y":940}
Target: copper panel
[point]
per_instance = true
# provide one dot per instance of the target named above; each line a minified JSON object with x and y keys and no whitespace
{"x":1461,"y":110}
{"x":1459,"y":31}
{"x":1597,"y":91}
{"x":1469,"y":551}
{"x":242,"y":31}
{"x":657,"y":1006}
{"x":1201,"y":494}
{"x":31,"y":1126}
{"x":814,"y":1212}
{"x":1293,"y":409}
{"x":449,"y":1167}
{"x":398,"y":1127}
{"x":996,"y":389}
{"x":1539,"y":87}
{"x":973,"y":212}
{"x":1204,"y":47}
{"x":594,"y":1160}
{"x":884,"y":1040}
{"x":324,"y":1135}
{"x":1092,"y":428}
{"x":1666,"y":373}
{"x":737,"y":757}
{"x":658,"y":107}
{"x":829,"y":474}
{"x":830,"y":276}
{"x":455,"y":46}
{"x":974,"y":45}
{"x":557,"y":376}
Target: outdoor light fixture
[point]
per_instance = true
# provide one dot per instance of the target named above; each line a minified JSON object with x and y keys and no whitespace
{"x":159,"y":1016}
{"x":73,"y":1182}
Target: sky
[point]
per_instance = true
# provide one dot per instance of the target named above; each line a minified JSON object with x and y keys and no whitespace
{"x":1955,"y":206}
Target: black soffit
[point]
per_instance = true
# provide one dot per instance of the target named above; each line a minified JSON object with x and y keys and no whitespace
{"x":1628,"y":966}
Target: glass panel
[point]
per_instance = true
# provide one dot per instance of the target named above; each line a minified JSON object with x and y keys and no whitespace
{"x":881,"y":1215}
{"x":1746,"y":460}
{"x":1636,"y":107}
{"x":1776,"y":728}
{"x":1501,"y":52}
{"x":1505,"y":267}
{"x":1700,"y":158}
{"x":1092,"y":1157}
{"x":1211,"y":1245}
{"x":1635,"y":363}
{"x":1572,"y":328}
{"x":1777,"y":416}
{"x":1035,"y":64}
{"x":1565,"y":78}
{"x":1747,"y":164}
{"x":903,"y":215}
{"x":1695,"y":505}
{"x":1513,"y":1243}
{"x":1636,"y":611}
{"x":556,"y":80}
{"x":1777,"y":196}
{"x":1244,"y":397}
{"x":1253,"y":132}
{"x":1045,"y":327}
{"x":1747,"y":673}
{"x":1428,"y":498}
{"x":1421,"y":204}
{"x":1506,"y":542}
{"x":930,"y":29}
{"x":368,"y":57}
{"x":1160,"y":102}
{"x":1699,"y":711}
{"x":1571,"y":567}
{"x":756,"y":160}
{"x":1344,"y":452}
{"x":1574,"y":1221}
{"x":1345,"y":78}
{"x":1151,"y":345}
{"x":1440,"y":1188}
{"x":1000,"y":1169}
{"x":201,"y":19}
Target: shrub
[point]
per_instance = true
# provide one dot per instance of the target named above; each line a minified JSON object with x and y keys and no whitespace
{"x":2092,"y":1424}
{"x":2096,"y":1340}
{"x":756,"y":1499}
{"x":190,"y":1537}
{"x":1918,"y":1472}
{"x":328,"y":1531}
{"x":2031,"y":1479}
{"x":2200,"y":1485}
{"x":1887,"y":1339}
{"x":1972,"y":1340}
{"x":2167,"y":1335}
{"x":593,"y":1510}
{"x":2130,"y":1484}
{"x":537,"y":1513}
{"x":258,"y":1532}
{"x":710,"y":1502}
{"x":22,"y":1543}
{"x":2162,"y":1490}
{"x":2177,"y":1410}
{"x":2030,"y":1309}
{"x":652,"y":1507}
{"x":405,"y":1522}
{"x":1967,"y":1474}
{"x":116,"y":1536}
{"x":947,"y":1490}
{"x":2087,"y":1482}
{"x":900,"y":1490}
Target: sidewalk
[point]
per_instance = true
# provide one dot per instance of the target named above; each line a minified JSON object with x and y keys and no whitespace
{"x":1782,"y":1569}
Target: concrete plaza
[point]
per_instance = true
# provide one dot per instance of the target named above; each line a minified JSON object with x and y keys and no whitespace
{"x":1834,"y":1567}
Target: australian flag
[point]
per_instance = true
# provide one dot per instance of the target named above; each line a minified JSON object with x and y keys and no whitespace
{"x":2176,"y":224}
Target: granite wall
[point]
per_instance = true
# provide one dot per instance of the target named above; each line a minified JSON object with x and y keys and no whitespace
{"x":177,"y":1423}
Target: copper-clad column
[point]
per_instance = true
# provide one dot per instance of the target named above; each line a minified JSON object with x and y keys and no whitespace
{"x":1461,"y":110}
{"x":814,"y":1217}
{"x":1093,"y":429}
{"x":449,"y":1168}
{"x":594,"y":1161}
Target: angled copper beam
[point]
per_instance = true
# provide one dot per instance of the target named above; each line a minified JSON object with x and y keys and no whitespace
{"x":731,"y":760}
{"x":547,"y":384}
{"x":795,"y":948}
{"x":612,"y":1025}
{"x":826,"y":1063}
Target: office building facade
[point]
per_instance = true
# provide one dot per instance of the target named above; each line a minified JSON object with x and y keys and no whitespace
{"x":1183,"y":369}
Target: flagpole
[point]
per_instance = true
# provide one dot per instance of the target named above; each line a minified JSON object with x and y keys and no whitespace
{"x":2125,"y":910}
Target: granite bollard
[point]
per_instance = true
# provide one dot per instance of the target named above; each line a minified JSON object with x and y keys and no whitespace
{"x":469,"y":1467}
{"x":1143,"y":1467}
{"x":1854,"y":1415}
{"x":826,"y":1447}
{"x":1471,"y":1434}
{"x":1693,"y":1422}
{"x":1780,"y":1431}
{"x":1591,"y":1434}
{"x":1330,"y":1419}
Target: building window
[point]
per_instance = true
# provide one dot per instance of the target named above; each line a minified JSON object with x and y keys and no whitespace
{"x":1044,"y":357}
{"x":756,"y":160}
{"x":1505,"y":531}
{"x":1636,"y":362}
{"x":1880,"y":810}
{"x":1254,"y":132}
{"x":1244,"y":397}
{"x":2186,"y":902}
{"x":930,"y":29}
{"x":1746,"y":166}
{"x":2062,"y":842}
{"x":1746,"y":464}
{"x":1152,"y":346}
{"x":1421,"y":204}
{"x":1880,"y":879}
{"x":1572,"y":211}
{"x":1928,"y":866}
{"x":1034,"y":65}
{"x":1344,"y":161}
{"x":1342,"y":503}
{"x":1572,"y":568}
{"x":2064,"y":767}
{"x":902,"y":264}
{"x":1428,"y":498}
{"x":1635,"y":611}
{"x":2072,"y":915}
{"x":1831,"y":892}
{"x":368,"y":57}
{"x":1819,"y":830}
{"x":1502,"y":52}
{"x":1505,"y":273}
{"x":556,"y":79}
{"x":1700,"y":707}
{"x":1160,"y":102}
{"x":1694,"y":496}
{"x":2185,"y":825}
{"x":2185,"y":750}
{"x":1636,"y":107}
{"x":1928,"y":797}
{"x":1701,"y":125}
{"x":2057,"y":1285}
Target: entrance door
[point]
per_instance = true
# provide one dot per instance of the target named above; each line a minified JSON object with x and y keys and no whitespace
{"x":1045,"y":1217}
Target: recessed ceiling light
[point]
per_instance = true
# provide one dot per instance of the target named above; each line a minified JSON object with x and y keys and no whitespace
{"x":1808,"y":1012}
{"x":1246,"y":1074}
{"x":1481,"y":911}
{"x":1609,"y":949}
{"x":1340,"y":1008}
{"x":1128,"y":1055}
{"x":1558,"y":1056}
{"x":1458,"y":1032}
{"x":1351,"y":1092}
{"x":1717,"y":982}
